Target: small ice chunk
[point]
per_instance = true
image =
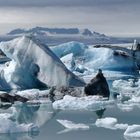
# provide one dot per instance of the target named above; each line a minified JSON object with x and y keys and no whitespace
{"x":82,"y":103}
{"x":71,"y":125}
{"x":121,"y":126}
{"x":108,"y":122}
{"x":133,"y":131}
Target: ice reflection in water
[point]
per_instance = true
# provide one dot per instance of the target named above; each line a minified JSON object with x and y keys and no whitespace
{"x":25,"y":113}
{"x":37,"y":114}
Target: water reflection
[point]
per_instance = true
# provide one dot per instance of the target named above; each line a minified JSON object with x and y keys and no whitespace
{"x":23,"y":136}
{"x":37,"y":114}
{"x":100,"y":113}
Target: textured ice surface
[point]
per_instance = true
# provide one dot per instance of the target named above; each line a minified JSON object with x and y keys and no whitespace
{"x":82,"y":103}
{"x":34,"y":65}
{"x":75,"y":48}
{"x":106,"y":122}
{"x":32,"y":94}
{"x":133,"y":131}
{"x":110,"y":123}
{"x":104,"y":58}
{"x":95,"y":58}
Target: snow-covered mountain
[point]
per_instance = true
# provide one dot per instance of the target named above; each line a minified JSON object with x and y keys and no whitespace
{"x":56,"y":36}
{"x":57,"y":31}
{"x":34,"y":65}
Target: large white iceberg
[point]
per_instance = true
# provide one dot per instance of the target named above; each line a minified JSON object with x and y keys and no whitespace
{"x":34,"y":65}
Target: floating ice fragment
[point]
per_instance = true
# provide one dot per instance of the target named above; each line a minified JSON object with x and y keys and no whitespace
{"x":106,"y":123}
{"x":82,"y":103}
{"x":71,"y":126}
{"x":133,"y":131}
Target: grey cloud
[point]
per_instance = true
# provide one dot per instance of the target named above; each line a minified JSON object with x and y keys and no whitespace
{"x":67,"y":2}
{"x":105,"y":16}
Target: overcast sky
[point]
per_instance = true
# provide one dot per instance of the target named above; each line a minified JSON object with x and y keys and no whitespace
{"x":112,"y":17}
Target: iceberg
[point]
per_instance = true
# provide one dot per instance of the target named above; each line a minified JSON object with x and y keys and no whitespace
{"x":91,"y":58}
{"x":76,"y":48}
{"x":34,"y":65}
{"x":104,"y":58}
{"x":12,"y":127}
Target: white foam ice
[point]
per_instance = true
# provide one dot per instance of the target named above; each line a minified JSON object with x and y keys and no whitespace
{"x":82,"y":103}
{"x":129,"y":91}
{"x":125,"y":86}
{"x":106,"y":122}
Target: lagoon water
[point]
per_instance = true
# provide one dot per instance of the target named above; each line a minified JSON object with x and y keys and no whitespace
{"x":52,"y":130}
{"x":46,"y":117}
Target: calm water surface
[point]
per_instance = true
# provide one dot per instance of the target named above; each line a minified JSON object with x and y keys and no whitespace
{"x":50,"y":129}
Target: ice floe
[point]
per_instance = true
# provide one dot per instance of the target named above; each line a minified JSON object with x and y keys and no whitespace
{"x":71,"y":126}
{"x":133,"y":131}
{"x":82,"y":103}
{"x":32,"y":94}
{"x":106,"y":122}
{"x":110,"y":123}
